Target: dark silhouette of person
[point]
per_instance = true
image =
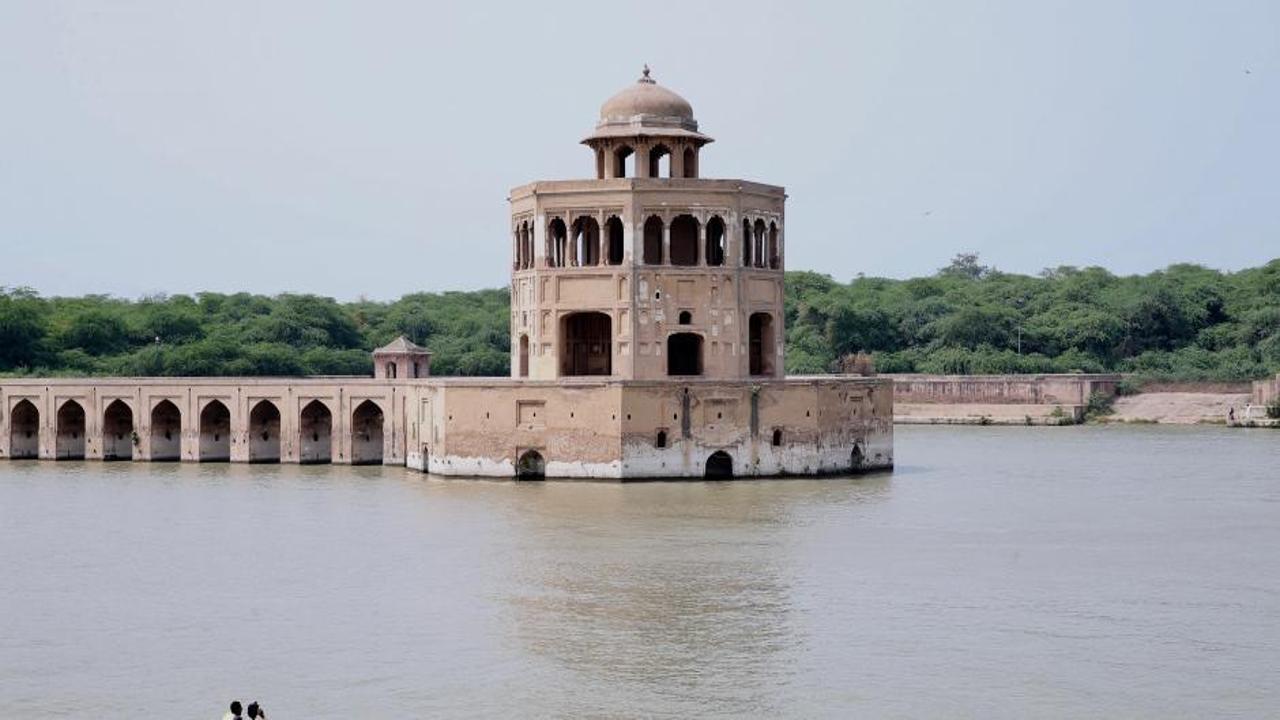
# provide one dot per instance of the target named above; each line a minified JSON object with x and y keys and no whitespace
{"x":255,"y":712}
{"x":236,"y":709}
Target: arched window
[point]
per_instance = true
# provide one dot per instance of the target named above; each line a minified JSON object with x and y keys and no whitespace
{"x":523,"y":362}
{"x":775,"y":258}
{"x":686,"y":317}
{"x":621,"y":159}
{"x":585,"y":249}
{"x":659,"y":161}
{"x":526,"y":247}
{"x":653,"y":240}
{"x":661,"y":440}
{"x":757,"y":251}
{"x":557,"y":243}
{"x":777,"y":437}
{"x":391,"y":371}
{"x":613,"y":233}
{"x":746,"y":243}
{"x":715,"y":241}
{"x":684,"y":240}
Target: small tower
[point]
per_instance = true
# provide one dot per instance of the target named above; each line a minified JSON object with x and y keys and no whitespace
{"x":649,"y":270}
{"x":401,"y":359}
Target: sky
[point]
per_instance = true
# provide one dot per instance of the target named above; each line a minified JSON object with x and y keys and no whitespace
{"x":365,"y":149}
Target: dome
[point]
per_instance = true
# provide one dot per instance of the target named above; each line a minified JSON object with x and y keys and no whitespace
{"x":647,"y":108}
{"x":645,"y":99}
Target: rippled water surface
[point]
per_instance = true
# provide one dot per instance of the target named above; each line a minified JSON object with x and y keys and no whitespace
{"x":1021,"y":572}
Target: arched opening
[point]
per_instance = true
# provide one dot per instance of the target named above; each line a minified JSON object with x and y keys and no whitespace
{"x":586,"y":242}
{"x":516,"y":249}
{"x":690,"y":163}
{"x":719,"y":466}
{"x":264,"y":433}
{"x":653,"y":240}
{"x":661,"y":440}
{"x":855,"y":458}
{"x":366,"y":434}
{"x":526,"y":247}
{"x":417,"y":369}
{"x":69,"y":443}
{"x":685,"y":317}
{"x":684,"y":354}
{"x":24,"y":431}
{"x":622,"y":159}
{"x":684,"y":240}
{"x":391,"y":371}
{"x":746,"y":243}
{"x":524,"y":356}
{"x":215,"y":433}
{"x":659,"y":161}
{"x":777,"y":437}
{"x":757,"y":251}
{"x":761,"y":345}
{"x":613,"y":233}
{"x":586,"y":344}
{"x":599,"y":163}
{"x":775,"y":259}
{"x":117,"y":431}
{"x":166,"y":432}
{"x":557,"y":243}
{"x":426,"y":458}
{"x":531,"y":466}
{"x":715,"y":241}
{"x":315,"y":434}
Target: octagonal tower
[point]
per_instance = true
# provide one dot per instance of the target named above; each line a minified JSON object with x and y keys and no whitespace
{"x":648,"y":271}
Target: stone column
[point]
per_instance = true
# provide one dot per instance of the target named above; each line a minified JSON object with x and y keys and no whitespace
{"x":666,"y":242}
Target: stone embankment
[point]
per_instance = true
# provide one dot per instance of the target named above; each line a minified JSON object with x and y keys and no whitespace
{"x":1064,"y":400}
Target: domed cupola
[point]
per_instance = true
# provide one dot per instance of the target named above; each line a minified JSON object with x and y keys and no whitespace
{"x":653,"y":123}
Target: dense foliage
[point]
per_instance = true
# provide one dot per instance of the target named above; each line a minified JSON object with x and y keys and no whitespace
{"x":242,"y":334}
{"x":1185,"y":322}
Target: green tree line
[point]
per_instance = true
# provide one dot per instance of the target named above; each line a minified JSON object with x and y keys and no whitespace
{"x":1185,"y":322}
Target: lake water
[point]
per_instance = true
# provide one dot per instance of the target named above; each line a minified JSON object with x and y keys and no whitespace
{"x":998,"y":572}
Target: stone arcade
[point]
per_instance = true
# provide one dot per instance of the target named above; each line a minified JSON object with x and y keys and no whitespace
{"x":646,"y":341}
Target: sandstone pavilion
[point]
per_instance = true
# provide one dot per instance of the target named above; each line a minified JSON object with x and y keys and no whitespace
{"x":646,"y":342}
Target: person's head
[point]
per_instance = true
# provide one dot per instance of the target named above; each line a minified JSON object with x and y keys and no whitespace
{"x":254,"y":710}
{"x":235,"y":707}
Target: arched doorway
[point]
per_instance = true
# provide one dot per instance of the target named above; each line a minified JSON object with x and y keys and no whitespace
{"x":523,"y":360}
{"x":531,"y":466}
{"x":761,"y":345}
{"x":24,"y":431}
{"x":117,"y":431}
{"x":315,"y":434}
{"x":719,"y":466}
{"x":366,"y":434}
{"x":684,"y":354}
{"x":215,"y":433}
{"x":166,"y":432}
{"x":264,"y":433}
{"x":586,"y":344}
{"x":684,"y":240}
{"x":856,"y":460}
{"x":69,"y":443}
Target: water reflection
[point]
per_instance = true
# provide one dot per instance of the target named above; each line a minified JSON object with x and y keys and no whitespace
{"x":672,"y":593}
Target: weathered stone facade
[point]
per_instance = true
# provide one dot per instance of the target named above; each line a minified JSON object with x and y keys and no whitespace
{"x":647,"y":341}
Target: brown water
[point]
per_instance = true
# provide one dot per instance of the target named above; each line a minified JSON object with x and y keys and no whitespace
{"x":1019,"y":572}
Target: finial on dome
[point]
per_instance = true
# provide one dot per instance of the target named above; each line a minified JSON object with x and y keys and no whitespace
{"x":646,"y":78}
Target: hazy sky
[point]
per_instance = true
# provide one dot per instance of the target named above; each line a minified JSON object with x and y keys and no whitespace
{"x":366,"y":148}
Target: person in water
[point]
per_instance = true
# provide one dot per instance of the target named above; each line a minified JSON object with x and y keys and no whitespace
{"x":234,"y":713}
